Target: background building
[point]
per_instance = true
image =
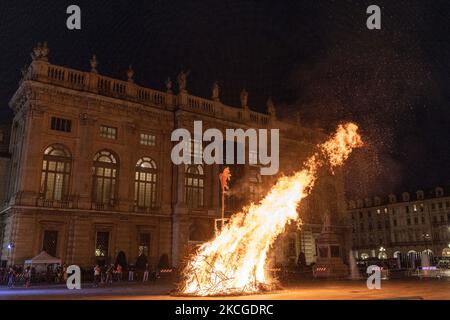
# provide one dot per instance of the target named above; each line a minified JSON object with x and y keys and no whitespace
{"x":410,"y":224}
{"x":91,"y":174}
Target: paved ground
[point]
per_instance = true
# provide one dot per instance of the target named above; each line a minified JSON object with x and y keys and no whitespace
{"x":315,"y":290}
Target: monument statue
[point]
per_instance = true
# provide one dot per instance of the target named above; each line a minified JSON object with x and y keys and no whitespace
{"x":94,"y":63}
{"x":130,"y":74}
{"x":40,"y":52}
{"x":244,"y":98}
{"x":182,"y":80}
{"x":271,"y":110}
{"x":168,"y":85}
{"x":215,"y":91}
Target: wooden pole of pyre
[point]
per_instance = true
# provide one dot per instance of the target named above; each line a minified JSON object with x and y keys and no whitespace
{"x":224,"y":178}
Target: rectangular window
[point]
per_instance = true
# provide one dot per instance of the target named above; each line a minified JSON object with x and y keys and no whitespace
{"x":50,"y":241}
{"x":108,"y":132}
{"x":102,"y":244}
{"x":148,"y":139}
{"x":406,"y":209}
{"x":144,"y":244}
{"x":60,"y":124}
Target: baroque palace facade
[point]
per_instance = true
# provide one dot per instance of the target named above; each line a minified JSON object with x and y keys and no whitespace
{"x":90,"y":173}
{"x":409,"y":225}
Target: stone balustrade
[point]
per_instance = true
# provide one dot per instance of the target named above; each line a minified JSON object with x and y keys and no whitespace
{"x":127,"y":90}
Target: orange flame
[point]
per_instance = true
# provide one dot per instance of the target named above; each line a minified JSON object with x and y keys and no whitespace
{"x":234,"y":262}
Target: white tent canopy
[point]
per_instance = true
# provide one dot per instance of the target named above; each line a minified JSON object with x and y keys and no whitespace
{"x":43,"y":258}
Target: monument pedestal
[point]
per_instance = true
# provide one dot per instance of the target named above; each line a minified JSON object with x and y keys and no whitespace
{"x":329,"y":262}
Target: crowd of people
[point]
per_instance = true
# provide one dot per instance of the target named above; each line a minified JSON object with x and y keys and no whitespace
{"x":24,"y":276}
{"x":108,"y":274}
{"x":18,"y":275}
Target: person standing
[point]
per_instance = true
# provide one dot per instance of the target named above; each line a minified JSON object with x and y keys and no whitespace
{"x":130,"y":274}
{"x":96,"y":275}
{"x":11,"y":276}
{"x":27,"y":277}
{"x":109,"y":274}
{"x":119,"y":272}
{"x":145,"y":277}
{"x":65,"y":275}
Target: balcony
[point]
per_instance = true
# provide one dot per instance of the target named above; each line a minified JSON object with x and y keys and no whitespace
{"x":69,"y":202}
{"x":105,"y":206}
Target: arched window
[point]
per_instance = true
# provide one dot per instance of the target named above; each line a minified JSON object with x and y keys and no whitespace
{"x":194,"y":184}
{"x":105,"y":178}
{"x":55,"y":173}
{"x":145,"y":183}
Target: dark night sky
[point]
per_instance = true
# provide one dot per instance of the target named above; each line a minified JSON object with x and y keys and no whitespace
{"x":316,"y":57}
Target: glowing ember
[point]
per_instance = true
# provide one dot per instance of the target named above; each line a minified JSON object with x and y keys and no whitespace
{"x":234,"y":262}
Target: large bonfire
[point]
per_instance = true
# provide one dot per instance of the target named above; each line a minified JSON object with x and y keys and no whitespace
{"x":235,"y":261}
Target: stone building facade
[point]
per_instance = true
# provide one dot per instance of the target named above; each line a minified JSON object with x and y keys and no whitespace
{"x":91,"y":175}
{"x":409,"y":225}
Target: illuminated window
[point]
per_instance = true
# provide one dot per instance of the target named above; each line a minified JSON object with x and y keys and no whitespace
{"x":105,"y":178}
{"x":145,"y":183}
{"x":148,"y":139}
{"x":194,"y":186}
{"x":102,"y":244}
{"x":144,"y":244}
{"x":195,"y":148}
{"x":108,"y":132}
{"x":55,"y":173}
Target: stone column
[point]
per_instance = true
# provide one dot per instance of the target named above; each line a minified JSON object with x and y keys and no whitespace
{"x":180,"y":236}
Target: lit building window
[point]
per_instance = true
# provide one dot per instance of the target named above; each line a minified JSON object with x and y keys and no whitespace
{"x":55,"y":173}
{"x":105,"y":178}
{"x":148,"y":139}
{"x":144,"y":245}
{"x":145,"y":183}
{"x":195,"y":148}
{"x":102,"y":244}
{"x":415,"y":208}
{"x":194,"y":186}
{"x":108,"y":132}
{"x":60,"y":124}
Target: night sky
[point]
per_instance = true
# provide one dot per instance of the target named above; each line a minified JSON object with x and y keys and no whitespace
{"x":313,"y":57}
